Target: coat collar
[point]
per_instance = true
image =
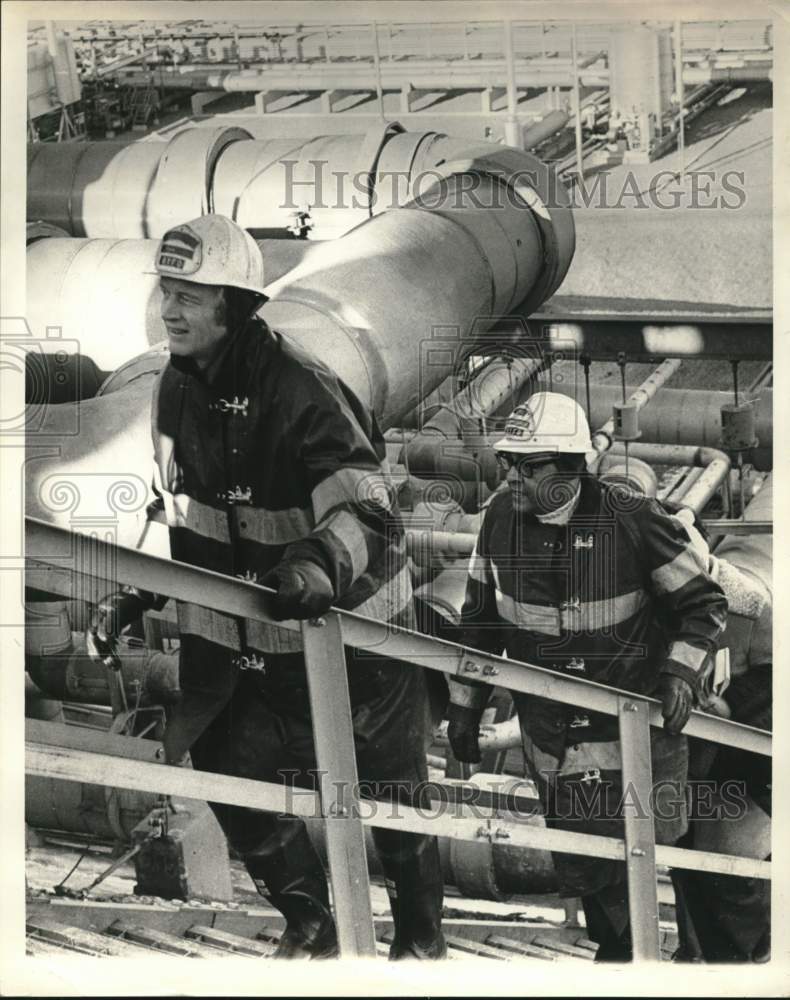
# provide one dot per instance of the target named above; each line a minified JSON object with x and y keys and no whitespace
{"x":239,"y":354}
{"x":563,"y":514}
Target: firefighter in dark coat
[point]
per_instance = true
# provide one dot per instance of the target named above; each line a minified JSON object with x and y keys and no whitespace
{"x":268,"y":468}
{"x":593,"y":581}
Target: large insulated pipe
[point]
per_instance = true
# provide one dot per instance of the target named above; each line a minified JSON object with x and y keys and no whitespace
{"x":262,"y":184}
{"x":400,"y":300}
{"x":126,"y":190}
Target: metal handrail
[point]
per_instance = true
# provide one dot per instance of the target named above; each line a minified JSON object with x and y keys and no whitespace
{"x":58,"y":548}
{"x":72,"y":558}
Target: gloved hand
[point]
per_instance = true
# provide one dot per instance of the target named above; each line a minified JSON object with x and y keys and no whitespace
{"x":677,"y":701}
{"x":463,"y":732}
{"x":110,"y":618}
{"x":303,"y":589}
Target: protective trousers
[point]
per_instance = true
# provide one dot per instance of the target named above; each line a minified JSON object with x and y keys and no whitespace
{"x":265,"y":733}
{"x":581,"y":791}
{"x":727,"y":918}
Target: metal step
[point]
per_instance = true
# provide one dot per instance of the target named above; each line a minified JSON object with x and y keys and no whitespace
{"x":562,"y":947}
{"x":522,"y":948}
{"x":159,"y":940}
{"x":79,"y":939}
{"x":479,"y":948}
{"x":229,"y":943}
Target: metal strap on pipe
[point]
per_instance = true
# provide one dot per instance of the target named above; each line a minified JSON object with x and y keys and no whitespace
{"x":373,"y":145}
{"x":180,"y":192}
{"x":69,"y":764}
{"x":56,"y":547}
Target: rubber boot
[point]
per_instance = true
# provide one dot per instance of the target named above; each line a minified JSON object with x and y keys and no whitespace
{"x":288,"y":873}
{"x":416,"y":891}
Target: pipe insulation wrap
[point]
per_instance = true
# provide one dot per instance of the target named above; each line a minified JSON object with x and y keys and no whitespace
{"x":182,"y":189}
{"x":386,"y":310}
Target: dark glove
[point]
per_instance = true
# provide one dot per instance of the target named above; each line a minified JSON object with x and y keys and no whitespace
{"x":677,"y":701}
{"x":109,"y":619}
{"x":463,"y":732}
{"x":303,"y":589}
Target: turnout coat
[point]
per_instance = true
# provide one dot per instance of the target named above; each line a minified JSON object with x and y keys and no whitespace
{"x":618,"y":595}
{"x":266,"y":455}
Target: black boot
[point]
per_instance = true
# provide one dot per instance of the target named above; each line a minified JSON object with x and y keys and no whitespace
{"x":416,"y":891}
{"x":287,"y":871}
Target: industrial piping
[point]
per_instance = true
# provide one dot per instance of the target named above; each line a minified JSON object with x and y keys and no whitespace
{"x":107,"y":189}
{"x":451,"y":444}
{"x":685,"y":416}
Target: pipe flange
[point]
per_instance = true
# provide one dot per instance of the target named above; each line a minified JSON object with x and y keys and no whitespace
{"x":540,"y":189}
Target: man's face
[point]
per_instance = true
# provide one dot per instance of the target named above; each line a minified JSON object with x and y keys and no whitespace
{"x":537,"y":486}
{"x":194,"y":317}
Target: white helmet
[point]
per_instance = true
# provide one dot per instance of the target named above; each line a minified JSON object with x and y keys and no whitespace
{"x":547,"y":422}
{"x":211,"y":250}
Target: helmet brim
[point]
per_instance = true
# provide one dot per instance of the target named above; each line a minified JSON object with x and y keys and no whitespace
{"x":212,"y":284}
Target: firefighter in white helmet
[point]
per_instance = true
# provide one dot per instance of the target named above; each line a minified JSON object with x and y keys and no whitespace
{"x":268,"y":468}
{"x":589,"y":580}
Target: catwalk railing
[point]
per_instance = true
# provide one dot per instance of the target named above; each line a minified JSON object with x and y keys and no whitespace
{"x":72,"y":565}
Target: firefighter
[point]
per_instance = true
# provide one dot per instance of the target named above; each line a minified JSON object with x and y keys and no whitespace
{"x":589,"y":580}
{"x":268,"y":468}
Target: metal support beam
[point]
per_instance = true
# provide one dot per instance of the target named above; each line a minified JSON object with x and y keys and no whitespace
{"x":652,"y":338}
{"x":333,"y":733}
{"x":512,"y":137}
{"x":681,"y":98}
{"x":377,"y":65}
{"x":577,"y":105}
{"x":640,"y":840}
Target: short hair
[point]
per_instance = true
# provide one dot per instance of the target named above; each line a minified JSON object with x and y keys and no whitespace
{"x":238,"y":306}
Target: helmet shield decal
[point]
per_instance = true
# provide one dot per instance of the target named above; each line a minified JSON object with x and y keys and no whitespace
{"x":180,"y":252}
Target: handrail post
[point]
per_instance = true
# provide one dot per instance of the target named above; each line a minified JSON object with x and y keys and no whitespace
{"x":640,"y":838}
{"x":333,"y":733}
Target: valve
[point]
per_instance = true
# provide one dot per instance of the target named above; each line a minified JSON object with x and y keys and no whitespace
{"x":626,"y":422}
{"x":737,"y":427}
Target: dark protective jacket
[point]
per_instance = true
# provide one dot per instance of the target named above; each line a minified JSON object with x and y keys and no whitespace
{"x":266,"y":455}
{"x":617,"y":595}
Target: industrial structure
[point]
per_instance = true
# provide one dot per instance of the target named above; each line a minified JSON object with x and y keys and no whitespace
{"x":452,"y":216}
